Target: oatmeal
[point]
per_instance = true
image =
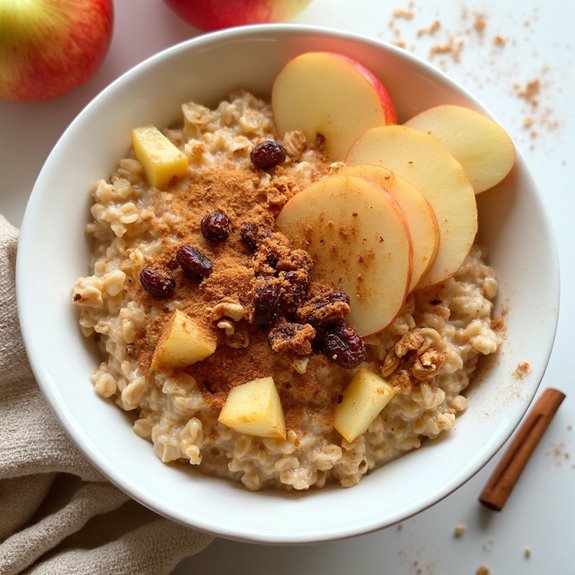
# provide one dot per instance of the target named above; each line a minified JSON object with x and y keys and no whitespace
{"x":201,"y":255}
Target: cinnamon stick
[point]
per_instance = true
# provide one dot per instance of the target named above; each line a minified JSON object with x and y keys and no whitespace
{"x":505,"y":476}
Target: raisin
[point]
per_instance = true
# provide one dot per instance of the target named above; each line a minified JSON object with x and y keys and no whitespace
{"x":295,"y":285}
{"x":342,"y":344}
{"x":194,"y":263}
{"x":268,"y":154}
{"x":325,"y":308}
{"x":266,"y":302}
{"x":158,"y":282}
{"x":249,"y":235}
{"x":252,"y":234}
{"x":216,"y":227}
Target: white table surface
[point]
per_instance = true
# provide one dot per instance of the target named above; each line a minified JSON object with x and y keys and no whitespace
{"x":498,"y":49}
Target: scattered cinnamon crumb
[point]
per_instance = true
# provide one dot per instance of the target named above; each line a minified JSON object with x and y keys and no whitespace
{"x":498,"y":321}
{"x":499,"y":41}
{"x":459,"y":530}
{"x":527,"y":122}
{"x":482,"y":570}
{"x":403,"y":13}
{"x":530,"y":92}
{"x":560,"y":454}
{"x":430,"y":30}
{"x":452,"y":47}
{"x":480,"y":23}
{"x":522,"y":370}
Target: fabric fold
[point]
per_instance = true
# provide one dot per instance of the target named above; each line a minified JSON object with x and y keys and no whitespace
{"x":58,"y":514}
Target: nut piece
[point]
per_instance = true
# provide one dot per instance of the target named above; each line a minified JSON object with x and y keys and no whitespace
{"x":428,"y":364}
{"x":417,"y":352}
{"x":229,"y":309}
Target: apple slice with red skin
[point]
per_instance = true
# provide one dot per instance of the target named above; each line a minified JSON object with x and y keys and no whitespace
{"x":420,"y":217}
{"x":359,"y":241}
{"x":424,"y":162}
{"x":478,"y":143}
{"x":331,"y":96}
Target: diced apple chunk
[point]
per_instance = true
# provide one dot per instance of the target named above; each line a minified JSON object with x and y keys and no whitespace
{"x":182,"y":342}
{"x":364,"y":398}
{"x":162,"y":160}
{"x":254,"y":408}
{"x":479,"y":144}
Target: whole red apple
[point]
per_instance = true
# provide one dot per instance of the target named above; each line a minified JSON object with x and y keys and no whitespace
{"x":50,"y":47}
{"x":215,"y":14}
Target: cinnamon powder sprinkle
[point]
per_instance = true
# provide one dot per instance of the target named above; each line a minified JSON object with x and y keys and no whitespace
{"x":522,"y":370}
{"x":246,"y":353}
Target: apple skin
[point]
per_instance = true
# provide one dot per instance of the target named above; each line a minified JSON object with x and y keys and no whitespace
{"x":314,"y":93}
{"x":51,"y":46}
{"x":208,"y":15}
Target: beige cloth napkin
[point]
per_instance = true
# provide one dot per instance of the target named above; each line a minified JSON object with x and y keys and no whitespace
{"x":58,"y":515}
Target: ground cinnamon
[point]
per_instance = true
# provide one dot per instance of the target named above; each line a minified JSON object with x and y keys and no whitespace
{"x":509,"y":469}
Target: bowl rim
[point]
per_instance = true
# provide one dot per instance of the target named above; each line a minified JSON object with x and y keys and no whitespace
{"x":69,"y":421}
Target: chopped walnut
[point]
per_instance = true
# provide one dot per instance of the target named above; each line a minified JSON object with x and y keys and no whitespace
{"x":428,"y":364}
{"x":227,"y":309}
{"x":240,"y":339}
{"x":227,"y":325}
{"x":418,"y":352}
{"x":400,"y":380}
{"x":411,"y":341}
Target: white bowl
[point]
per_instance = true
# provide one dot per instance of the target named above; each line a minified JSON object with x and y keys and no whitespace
{"x":53,"y":253}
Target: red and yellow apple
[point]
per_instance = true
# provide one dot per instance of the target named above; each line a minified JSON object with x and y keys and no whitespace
{"x":331,"y":96}
{"x":50,"y":47}
{"x":215,"y":14}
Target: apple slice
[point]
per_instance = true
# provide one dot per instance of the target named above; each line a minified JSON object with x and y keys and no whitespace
{"x":359,"y":241}
{"x":423,"y":161}
{"x":330,"y":95}
{"x":366,"y":395}
{"x":254,"y":408}
{"x":419,"y":215}
{"x":479,"y":144}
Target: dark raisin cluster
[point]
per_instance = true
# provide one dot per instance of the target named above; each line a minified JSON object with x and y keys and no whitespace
{"x":160,"y":283}
{"x":281,"y":302}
